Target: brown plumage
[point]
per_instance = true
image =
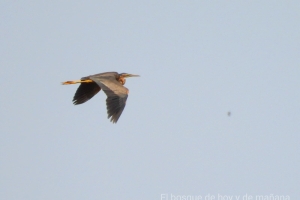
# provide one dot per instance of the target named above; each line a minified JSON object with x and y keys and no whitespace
{"x":112,"y":85}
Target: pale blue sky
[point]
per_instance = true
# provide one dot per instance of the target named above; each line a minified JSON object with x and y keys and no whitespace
{"x":197,"y":61}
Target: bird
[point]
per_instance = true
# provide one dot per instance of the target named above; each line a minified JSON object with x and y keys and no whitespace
{"x":112,"y":85}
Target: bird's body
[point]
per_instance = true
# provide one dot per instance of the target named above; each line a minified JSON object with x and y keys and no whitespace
{"x":111,"y":83}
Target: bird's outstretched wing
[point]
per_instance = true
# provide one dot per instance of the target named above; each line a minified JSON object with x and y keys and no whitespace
{"x":116,"y":95}
{"x":85,"y":92}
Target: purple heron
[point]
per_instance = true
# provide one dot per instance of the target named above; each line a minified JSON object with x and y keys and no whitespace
{"x":111,"y":83}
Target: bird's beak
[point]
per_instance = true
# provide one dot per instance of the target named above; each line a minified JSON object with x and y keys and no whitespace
{"x":132,"y":75}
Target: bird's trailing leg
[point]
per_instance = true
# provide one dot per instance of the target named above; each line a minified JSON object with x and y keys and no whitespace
{"x":77,"y":81}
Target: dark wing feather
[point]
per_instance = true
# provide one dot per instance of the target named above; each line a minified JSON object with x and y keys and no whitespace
{"x":85,"y":92}
{"x":116,"y":95}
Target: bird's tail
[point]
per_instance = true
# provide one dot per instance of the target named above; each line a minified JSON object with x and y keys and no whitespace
{"x":75,"y":82}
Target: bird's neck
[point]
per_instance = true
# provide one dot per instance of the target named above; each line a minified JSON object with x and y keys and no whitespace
{"x":122,"y":80}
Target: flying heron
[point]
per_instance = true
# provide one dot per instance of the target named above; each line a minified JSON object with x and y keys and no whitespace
{"x":111,"y":83}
